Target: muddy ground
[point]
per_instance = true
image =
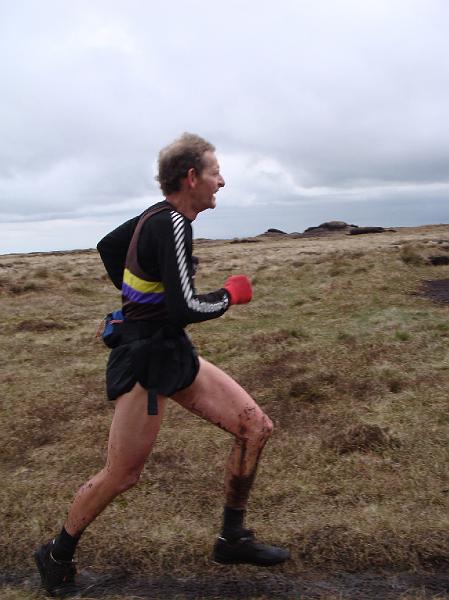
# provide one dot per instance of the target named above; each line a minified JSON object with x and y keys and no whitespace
{"x":232,"y":584}
{"x":437,"y":290}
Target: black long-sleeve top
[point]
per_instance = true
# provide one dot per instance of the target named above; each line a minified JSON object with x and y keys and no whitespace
{"x":164,"y":253}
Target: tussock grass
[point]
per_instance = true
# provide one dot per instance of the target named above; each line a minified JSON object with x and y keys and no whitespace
{"x":410,"y":254}
{"x":351,"y":365}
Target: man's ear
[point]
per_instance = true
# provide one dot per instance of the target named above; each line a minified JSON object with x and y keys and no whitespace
{"x":192,"y":177}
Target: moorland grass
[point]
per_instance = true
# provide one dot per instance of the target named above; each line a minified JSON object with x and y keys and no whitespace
{"x":351,"y":363}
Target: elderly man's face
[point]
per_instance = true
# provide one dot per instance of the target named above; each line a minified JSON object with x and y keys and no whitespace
{"x":208,"y":183}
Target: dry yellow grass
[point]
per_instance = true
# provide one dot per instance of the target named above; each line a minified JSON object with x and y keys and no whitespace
{"x":349,"y":361}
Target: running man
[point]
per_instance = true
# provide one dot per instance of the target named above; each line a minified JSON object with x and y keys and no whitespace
{"x":150,"y":259}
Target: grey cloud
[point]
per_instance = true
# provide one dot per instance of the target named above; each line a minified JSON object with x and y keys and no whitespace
{"x":305,"y":100}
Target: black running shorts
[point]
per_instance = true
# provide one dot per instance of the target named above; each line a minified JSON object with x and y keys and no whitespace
{"x":166,"y":361}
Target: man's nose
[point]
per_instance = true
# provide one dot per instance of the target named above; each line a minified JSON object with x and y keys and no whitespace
{"x":221,"y":182}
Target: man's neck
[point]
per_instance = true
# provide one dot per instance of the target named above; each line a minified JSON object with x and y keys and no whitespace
{"x":183,"y":204}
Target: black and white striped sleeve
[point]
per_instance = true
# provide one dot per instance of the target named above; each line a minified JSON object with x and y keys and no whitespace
{"x":175,"y":261}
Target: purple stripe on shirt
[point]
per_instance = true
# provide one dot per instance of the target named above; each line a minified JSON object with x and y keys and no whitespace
{"x":140,"y":297}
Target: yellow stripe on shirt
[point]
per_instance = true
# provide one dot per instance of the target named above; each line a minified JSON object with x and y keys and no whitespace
{"x":141,"y":285}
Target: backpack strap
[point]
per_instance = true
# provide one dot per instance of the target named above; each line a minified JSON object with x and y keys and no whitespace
{"x":150,"y":212}
{"x":114,"y":247}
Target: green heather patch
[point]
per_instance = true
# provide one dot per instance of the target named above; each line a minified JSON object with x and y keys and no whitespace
{"x":348,"y":361}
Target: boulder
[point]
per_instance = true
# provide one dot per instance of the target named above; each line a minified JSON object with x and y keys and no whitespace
{"x":360,"y":230}
{"x":273,"y":230}
{"x":329,"y":226}
{"x":333,"y":225}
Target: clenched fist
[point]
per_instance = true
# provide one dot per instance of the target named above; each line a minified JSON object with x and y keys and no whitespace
{"x":239,"y":289}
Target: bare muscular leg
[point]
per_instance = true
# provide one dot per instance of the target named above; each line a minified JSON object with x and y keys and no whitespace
{"x":132,"y":435}
{"x":216,"y":397}
{"x":219,"y":399}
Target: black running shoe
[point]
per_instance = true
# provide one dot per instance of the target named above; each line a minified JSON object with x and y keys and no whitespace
{"x":247,"y":549}
{"x":58,"y":577}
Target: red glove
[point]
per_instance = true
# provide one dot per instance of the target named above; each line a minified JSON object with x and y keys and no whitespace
{"x":239,"y":289}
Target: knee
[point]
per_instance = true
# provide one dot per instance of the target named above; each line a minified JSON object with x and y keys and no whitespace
{"x":130,"y":480}
{"x":124,"y":480}
{"x":257,"y":430}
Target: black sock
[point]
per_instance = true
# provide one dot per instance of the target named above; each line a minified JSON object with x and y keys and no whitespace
{"x":64,"y":546}
{"x":233,"y":523}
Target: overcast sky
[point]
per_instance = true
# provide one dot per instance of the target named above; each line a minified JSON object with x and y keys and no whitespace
{"x":323,"y":110}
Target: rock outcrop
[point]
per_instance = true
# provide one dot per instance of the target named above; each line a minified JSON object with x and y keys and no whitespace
{"x":360,"y":230}
{"x":325,"y":229}
{"x":330,"y":226}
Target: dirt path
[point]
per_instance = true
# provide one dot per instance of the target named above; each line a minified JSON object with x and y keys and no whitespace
{"x":232,"y":584}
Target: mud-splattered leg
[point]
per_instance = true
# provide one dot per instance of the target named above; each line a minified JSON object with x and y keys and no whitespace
{"x":132,"y":435}
{"x":242,"y":466}
{"x":219,"y":399}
